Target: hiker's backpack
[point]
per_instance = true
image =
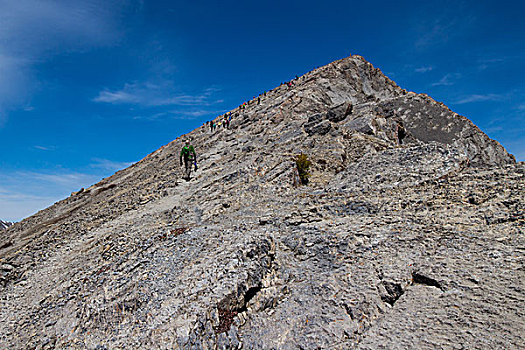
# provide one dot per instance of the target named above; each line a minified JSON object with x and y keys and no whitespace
{"x":187,"y":151}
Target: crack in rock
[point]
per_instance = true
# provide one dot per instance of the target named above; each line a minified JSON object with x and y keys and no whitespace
{"x":418,"y":278}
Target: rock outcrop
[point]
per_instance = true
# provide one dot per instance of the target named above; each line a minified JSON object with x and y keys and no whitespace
{"x":4,"y":224}
{"x":408,"y":235}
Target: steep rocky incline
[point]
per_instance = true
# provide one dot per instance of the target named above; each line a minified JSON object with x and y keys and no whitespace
{"x":4,"y":224}
{"x":408,"y":235}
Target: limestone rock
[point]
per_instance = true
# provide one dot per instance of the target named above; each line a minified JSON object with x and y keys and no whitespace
{"x":408,"y":235}
{"x":5,"y":224}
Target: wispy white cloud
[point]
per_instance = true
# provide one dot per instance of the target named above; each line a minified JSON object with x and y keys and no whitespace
{"x":58,"y":23}
{"x":45,"y":148}
{"x":200,"y":113}
{"x":14,"y":82}
{"x":485,"y":63}
{"x":117,"y":96}
{"x":435,"y":26}
{"x":109,"y":165}
{"x":447,"y":80}
{"x":155,"y":94}
{"x":16,"y":206}
{"x":435,"y":33}
{"x":64,"y":180}
{"x":33,"y":31}
{"x":494,"y":129}
{"x":23,"y":193}
{"x":423,"y":69}
{"x":180,"y":115}
{"x":479,"y":98}
{"x":151,"y":117}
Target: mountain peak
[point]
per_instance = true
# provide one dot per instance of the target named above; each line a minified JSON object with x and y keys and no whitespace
{"x":351,"y":97}
{"x":406,"y":231}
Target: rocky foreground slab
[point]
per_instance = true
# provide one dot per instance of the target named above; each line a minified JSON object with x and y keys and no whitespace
{"x":409,"y":235}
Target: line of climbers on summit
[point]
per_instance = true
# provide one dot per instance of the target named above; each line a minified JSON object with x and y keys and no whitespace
{"x":188,"y":154}
{"x":225,"y":120}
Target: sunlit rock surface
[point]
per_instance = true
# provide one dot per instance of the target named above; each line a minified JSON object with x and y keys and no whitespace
{"x":409,"y":234}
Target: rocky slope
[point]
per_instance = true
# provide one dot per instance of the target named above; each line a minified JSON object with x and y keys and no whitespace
{"x":4,"y":224}
{"x":409,"y":234}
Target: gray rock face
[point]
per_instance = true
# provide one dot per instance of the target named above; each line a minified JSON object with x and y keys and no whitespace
{"x":5,"y":224}
{"x":409,"y":235}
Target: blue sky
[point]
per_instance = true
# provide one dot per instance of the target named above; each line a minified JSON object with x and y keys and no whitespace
{"x":88,"y":87}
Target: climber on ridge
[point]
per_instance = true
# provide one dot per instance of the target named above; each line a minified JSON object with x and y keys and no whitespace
{"x":190,"y":158}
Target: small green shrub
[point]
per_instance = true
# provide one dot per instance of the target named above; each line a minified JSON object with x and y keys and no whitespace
{"x":303,"y":164}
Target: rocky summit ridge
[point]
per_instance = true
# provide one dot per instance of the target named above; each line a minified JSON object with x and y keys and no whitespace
{"x":409,"y":234}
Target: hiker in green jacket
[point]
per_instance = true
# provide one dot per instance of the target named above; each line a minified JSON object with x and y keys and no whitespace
{"x":190,"y":158}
